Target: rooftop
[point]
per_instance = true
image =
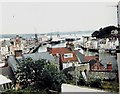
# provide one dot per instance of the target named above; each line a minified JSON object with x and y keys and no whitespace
{"x":111,"y":59}
{"x":4,"y":80}
{"x":66,"y":54}
{"x":88,"y":58}
{"x":60,"y":50}
{"x":40,"y":55}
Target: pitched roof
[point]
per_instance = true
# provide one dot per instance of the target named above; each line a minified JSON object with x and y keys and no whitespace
{"x":84,"y":58}
{"x":12,"y":62}
{"x":80,"y":56}
{"x":40,"y":55}
{"x":92,"y":62}
{"x":62,"y":51}
{"x":74,"y":58}
{"x":88,"y":58}
{"x":111,"y":59}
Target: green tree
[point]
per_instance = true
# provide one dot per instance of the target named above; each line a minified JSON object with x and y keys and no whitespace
{"x":39,"y":75}
{"x":104,"y":32}
{"x":81,"y":81}
{"x":96,"y":83}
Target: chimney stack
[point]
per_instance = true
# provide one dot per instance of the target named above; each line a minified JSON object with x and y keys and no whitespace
{"x":18,"y":53}
{"x":49,"y":49}
{"x":109,"y":66}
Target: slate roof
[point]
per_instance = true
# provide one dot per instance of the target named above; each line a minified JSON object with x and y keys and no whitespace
{"x":12,"y":62}
{"x":92,"y":62}
{"x":80,"y":56}
{"x":88,"y":58}
{"x":84,"y":58}
{"x":111,"y":59}
{"x":40,"y":55}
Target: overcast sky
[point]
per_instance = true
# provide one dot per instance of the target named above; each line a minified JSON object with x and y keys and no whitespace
{"x":42,"y":17}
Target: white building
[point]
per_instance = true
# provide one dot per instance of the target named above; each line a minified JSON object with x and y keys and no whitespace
{"x":108,"y":44}
{"x":5,"y":83}
{"x":43,"y":38}
{"x":90,"y":42}
{"x":4,"y":50}
{"x":117,"y":42}
{"x":94,"y":44}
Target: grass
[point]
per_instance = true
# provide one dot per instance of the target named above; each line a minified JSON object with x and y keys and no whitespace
{"x":112,"y":86}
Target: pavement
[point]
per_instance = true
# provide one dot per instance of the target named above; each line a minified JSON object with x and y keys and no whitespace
{"x":72,"y":89}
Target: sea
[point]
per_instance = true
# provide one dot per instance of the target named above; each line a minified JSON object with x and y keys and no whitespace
{"x":76,"y":33}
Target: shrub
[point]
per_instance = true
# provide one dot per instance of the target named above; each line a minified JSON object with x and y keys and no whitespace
{"x":96,"y":83}
{"x":81,"y":81}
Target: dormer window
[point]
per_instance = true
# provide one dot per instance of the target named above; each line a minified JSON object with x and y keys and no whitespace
{"x":68,"y":55}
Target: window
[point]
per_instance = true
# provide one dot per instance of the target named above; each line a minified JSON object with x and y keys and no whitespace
{"x":68,"y":55}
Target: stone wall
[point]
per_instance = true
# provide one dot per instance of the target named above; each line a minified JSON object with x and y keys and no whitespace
{"x":102,"y":75}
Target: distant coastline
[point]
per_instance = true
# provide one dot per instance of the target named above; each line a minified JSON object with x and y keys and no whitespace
{"x":82,"y":33}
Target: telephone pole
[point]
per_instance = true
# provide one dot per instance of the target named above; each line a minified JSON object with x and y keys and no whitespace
{"x":118,"y":50}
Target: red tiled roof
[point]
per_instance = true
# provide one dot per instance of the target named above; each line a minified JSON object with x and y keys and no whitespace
{"x":60,"y":50}
{"x":88,"y":58}
{"x":63,"y":51}
{"x":74,"y":58}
